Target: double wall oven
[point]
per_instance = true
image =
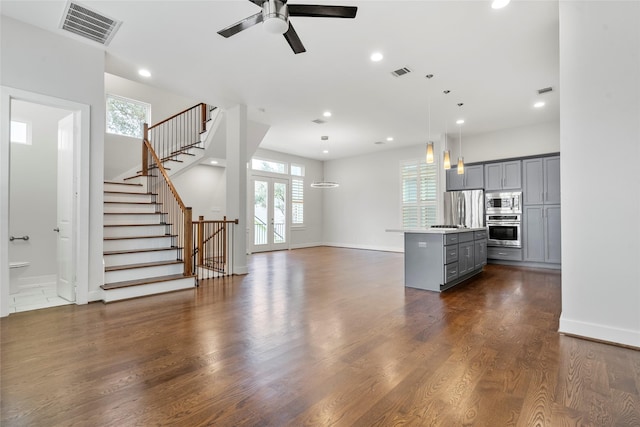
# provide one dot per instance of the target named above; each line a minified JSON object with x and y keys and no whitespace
{"x":504,"y":219}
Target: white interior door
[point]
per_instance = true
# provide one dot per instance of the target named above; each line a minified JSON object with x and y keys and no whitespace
{"x":270,"y":214}
{"x":66,"y":269}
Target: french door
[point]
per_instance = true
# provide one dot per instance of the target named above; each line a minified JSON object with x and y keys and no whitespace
{"x":270,"y":216}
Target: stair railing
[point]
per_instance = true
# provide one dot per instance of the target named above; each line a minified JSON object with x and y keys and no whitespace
{"x":213,"y":247}
{"x":177,"y":134}
{"x":176,"y":215}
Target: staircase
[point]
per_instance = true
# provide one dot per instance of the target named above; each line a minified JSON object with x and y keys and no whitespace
{"x":141,"y":256}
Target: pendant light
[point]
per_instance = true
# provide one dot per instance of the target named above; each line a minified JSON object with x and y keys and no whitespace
{"x":323,"y":183}
{"x":460,"y":158}
{"x":429,"y":153}
{"x":447,"y":155}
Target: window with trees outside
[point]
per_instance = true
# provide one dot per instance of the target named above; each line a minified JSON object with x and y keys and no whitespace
{"x":419,"y":194}
{"x":127,"y":116}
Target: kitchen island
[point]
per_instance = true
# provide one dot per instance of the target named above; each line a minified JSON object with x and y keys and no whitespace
{"x":437,"y":259}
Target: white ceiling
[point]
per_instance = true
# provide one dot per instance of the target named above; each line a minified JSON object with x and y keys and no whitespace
{"x":493,"y":61}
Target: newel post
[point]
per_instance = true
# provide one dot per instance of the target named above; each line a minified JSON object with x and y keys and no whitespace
{"x":145,"y":151}
{"x":200,"y":240}
{"x":203,"y":116}
{"x":188,"y":242}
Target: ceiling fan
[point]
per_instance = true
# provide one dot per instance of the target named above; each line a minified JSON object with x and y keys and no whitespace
{"x":275,"y":18}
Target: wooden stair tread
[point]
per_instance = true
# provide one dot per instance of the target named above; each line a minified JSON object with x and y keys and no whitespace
{"x":130,"y":192}
{"x":133,"y":213}
{"x":142,"y":265}
{"x":135,"y":251}
{"x":135,"y":225}
{"x":122,"y":183}
{"x":133,"y":203}
{"x":157,"y":236}
{"x":146,"y":281}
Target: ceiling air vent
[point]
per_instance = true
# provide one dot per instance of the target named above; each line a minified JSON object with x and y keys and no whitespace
{"x":88,"y":23}
{"x":401,"y":72}
{"x":545,"y":90}
{"x":319,"y":121}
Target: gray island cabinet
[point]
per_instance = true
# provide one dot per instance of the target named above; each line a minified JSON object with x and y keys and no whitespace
{"x":436,"y":260}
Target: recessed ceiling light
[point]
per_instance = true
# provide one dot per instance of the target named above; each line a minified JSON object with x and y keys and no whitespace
{"x":539,"y":104}
{"x":499,"y":4}
{"x":214,"y":162}
{"x":459,"y":121}
{"x":390,"y":139}
{"x":376,"y":57}
{"x":325,"y":151}
{"x":144,"y":73}
{"x":327,"y":114}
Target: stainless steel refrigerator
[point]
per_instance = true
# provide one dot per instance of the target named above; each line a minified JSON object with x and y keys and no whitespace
{"x":464,"y":208}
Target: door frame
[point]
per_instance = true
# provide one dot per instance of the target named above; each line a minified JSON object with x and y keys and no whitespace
{"x":271,"y":179}
{"x":81,"y":184}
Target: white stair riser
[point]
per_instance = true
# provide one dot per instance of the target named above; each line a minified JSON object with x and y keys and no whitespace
{"x":140,"y":257}
{"x":133,"y":244}
{"x":110,"y":186}
{"x":126,"y":219}
{"x":125,"y":231}
{"x":148,"y":289}
{"x":129,"y":208}
{"x":128,"y":198}
{"x":142,"y":273}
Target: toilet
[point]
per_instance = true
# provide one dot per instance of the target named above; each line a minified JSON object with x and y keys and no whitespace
{"x":16,"y":269}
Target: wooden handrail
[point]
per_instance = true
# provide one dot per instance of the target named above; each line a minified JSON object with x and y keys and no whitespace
{"x":165,"y":175}
{"x":176,"y":115}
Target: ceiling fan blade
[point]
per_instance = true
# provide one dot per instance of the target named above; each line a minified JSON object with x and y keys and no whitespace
{"x":294,"y":41}
{"x":321,"y":11}
{"x":241,"y":25}
{"x":257,"y":2}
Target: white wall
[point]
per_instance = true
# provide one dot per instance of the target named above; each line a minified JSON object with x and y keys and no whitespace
{"x":311,"y":233}
{"x":121,"y":153}
{"x":507,"y":143}
{"x":600,"y":144}
{"x":33,"y":190}
{"x":367,"y":203}
{"x":38,"y":61}
{"x":204,"y":189}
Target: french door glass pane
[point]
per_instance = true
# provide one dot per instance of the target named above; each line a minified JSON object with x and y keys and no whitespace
{"x":261,"y":214}
{"x":279,"y":212}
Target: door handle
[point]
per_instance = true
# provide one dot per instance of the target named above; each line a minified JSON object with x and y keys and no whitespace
{"x":57,"y":229}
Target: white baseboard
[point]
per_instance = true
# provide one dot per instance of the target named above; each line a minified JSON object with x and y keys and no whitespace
{"x":366,"y":247}
{"x":95,"y":296}
{"x":306,"y":245}
{"x":599,"y":332}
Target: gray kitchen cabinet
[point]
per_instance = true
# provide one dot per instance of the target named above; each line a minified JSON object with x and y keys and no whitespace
{"x":471,"y":179}
{"x":466,"y":260}
{"x":438,"y":261}
{"x":541,"y":181}
{"x":503,"y":176}
{"x":480,"y":253}
{"x":541,"y":242}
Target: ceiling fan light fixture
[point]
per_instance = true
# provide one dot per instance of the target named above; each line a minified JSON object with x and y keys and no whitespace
{"x":275,"y":17}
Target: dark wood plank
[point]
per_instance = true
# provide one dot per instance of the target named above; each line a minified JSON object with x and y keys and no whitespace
{"x":318,"y":337}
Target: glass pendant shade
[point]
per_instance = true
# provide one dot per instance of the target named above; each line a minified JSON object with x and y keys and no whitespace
{"x":460,"y":165}
{"x":430,"y":152}
{"x":447,"y":160}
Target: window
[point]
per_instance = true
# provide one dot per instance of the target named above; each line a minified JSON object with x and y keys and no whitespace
{"x":297,"y":170}
{"x":268,"y":166}
{"x":419,"y":194}
{"x":20,"y":132}
{"x":127,"y":116}
{"x":297,"y":201}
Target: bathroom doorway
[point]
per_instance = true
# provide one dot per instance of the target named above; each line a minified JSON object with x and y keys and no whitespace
{"x":44,"y":203}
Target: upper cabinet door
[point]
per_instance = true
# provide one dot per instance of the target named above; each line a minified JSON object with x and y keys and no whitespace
{"x":532,"y":172}
{"x":552,"y":180}
{"x":455,"y":182}
{"x":493,"y":176}
{"x":512,"y":175}
{"x":503,"y":176}
{"x":474,"y":177}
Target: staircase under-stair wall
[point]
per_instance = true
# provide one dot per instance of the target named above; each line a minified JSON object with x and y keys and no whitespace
{"x":141,"y":256}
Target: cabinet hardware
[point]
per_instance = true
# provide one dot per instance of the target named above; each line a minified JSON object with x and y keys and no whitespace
{"x":12,"y":238}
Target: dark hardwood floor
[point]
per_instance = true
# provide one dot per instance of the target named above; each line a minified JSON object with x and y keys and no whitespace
{"x":318,"y":337}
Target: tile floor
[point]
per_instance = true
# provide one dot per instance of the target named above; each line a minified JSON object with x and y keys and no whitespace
{"x":35,"y":298}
